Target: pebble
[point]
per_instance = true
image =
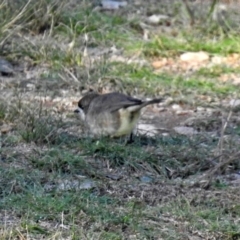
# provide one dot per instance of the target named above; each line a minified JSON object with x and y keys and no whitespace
{"x":6,"y":67}
{"x":194,"y":57}
{"x":188,"y":131}
{"x":112,"y":5}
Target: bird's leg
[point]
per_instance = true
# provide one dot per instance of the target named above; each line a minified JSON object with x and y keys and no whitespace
{"x":130,"y":139}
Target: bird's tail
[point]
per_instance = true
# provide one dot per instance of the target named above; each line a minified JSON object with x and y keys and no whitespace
{"x":156,"y":100}
{"x":144,"y":104}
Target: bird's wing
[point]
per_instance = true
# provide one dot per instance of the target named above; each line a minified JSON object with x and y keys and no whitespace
{"x":114,"y":101}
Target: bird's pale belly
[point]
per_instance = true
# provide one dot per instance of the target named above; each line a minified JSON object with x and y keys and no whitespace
{"x":114,"y":125}
{"x":128,"y":121}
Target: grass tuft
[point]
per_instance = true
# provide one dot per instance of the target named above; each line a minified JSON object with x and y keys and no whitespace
{"x":58,"y":183}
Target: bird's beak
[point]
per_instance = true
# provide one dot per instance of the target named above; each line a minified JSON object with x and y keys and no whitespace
{"x":80,"y":112}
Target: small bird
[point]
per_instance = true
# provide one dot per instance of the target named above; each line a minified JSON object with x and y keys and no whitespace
{"x":112,"y":114}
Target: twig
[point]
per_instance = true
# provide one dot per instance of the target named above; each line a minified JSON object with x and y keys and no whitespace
{"x":190,"y":12}
{"x":213,"y":6}
{"x":210,"y":174}
{"x":71,"y":74}
{"x":220,"y":143}
{"x":222,"y":162}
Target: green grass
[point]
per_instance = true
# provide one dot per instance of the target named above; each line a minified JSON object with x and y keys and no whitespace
{"x":35,"y":205}
{"x":45,"y":150}
{"x":202,"y":82}
{"x":2,"y":111}
{"x":216,"y":71}
{"x":203,"y":214}
{"x":172,"y":46}
{"x":30,"y":189}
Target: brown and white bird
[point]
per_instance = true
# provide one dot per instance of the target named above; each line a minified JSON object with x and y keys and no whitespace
{"x":112,"y":114}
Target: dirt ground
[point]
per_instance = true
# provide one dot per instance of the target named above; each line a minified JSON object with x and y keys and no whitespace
{"x":178,"y":180}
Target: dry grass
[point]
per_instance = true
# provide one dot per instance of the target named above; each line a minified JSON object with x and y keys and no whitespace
{"x":58,"y":183}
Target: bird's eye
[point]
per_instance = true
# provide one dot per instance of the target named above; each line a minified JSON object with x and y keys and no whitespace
{"x":80,"y":105}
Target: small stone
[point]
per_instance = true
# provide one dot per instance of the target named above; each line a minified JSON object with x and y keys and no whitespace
{"x":183,"y":112}
{"x":31,"y":86}
{"x":156,"y":19}
{"x":115,"y":177}
{"x":234,"y":102}
{"x":194,"y":57}
{"x":147,"y":129}
{"x":66,"y":185}
{"x":185,"y":130}
{"x":5,"y":129}
{"x":6,"y":67}
{"x":218,"y":60}
{"x":201,"y":109}
{"x":87,"y":184}
{"x":112,"y":5}
{"x":160,"y":63}
{"x":146,"y":179}
{"x":176,"y":107}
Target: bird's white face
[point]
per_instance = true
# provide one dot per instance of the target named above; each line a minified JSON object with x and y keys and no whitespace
{"x":80,"y":113}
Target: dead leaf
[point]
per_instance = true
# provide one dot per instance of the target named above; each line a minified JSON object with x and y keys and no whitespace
{"x":160,"y":63}
{"x":5,"y":129}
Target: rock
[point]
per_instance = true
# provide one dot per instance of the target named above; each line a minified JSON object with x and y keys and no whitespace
{"x":218,"y":60}
{"x":6,"y":67}
{"x":115,"y":177}
{"x":185,"y":130}
{"x":200,"y":109}
{"x":160,"y":63}
{"x":176,"y":107}
{"x":147,"y":129}
{"x":87,"y":184}
{"x":5,"y":129}
{"x":115,"y":58}
{"x":156,"y":19}
{"x":234,"y":103}
{"x":194,"y":238}
{"x":31,"y":86}
{"x":66,"y":185}
{"x":112,"y":5}
{"x":184,"y":112}
{"x":146,"y":179}
{"x":194,"y":57}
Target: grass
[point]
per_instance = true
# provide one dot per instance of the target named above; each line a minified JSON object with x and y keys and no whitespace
{"x":59,"y":183}
{"x":149,"y":82}
{"x":107,"y":215}
{"x":171,"y":46}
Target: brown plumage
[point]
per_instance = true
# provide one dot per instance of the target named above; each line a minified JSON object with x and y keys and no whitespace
{"x":112,"y":114}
